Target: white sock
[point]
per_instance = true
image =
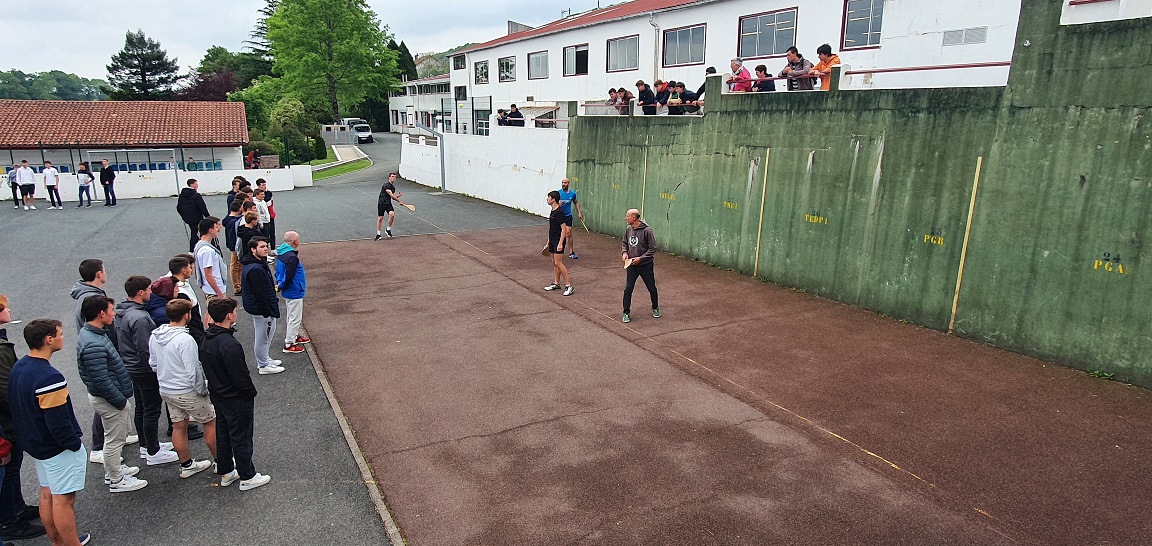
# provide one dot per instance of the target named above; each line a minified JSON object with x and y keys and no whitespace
{"x":377,"y":232}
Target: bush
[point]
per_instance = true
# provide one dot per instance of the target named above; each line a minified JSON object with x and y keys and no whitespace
{"x":266,"y":148}
{"x":299,"y":146}
{"x":319,"y":148}
{"x":255,"y":134}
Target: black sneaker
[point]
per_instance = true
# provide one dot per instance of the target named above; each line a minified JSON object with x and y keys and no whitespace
{"x":378,"y":237}
{"x":389,"y":234}
{"x":194,"y":432}
{"x":22,"y":531}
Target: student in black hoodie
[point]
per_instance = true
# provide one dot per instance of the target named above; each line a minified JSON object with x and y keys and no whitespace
{"x":192,"y":209}
{"x":244,"y":233}
{"x":645,"y":98}
{"x":233,"y":396}
{"x":261,"y":302}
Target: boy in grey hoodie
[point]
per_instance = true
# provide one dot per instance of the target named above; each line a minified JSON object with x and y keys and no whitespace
{"x":175,"y":357}
{"x":637,"y":249}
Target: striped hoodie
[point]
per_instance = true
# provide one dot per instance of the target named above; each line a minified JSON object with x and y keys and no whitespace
{"x":41,"y":409}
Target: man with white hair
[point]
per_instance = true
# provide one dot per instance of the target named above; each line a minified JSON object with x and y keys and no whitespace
{"x":740,"y":81}
{"x":292,"y":283}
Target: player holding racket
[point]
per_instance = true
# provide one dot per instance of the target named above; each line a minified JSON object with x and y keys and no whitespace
{"x":558,"y":233}
{"x":637,"y":249}
{"x":384,"y":205}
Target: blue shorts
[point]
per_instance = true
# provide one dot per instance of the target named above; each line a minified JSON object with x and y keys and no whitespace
{"x":63,"y":473}
{"x":568,"y":221}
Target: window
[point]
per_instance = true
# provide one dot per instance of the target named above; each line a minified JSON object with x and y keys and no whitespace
{"x":538,"y":65}
{"x":767,"y":34}
{"x":624,"y":53}
{"x":507,"y":69}
{"x":461,"y":92}
{"x":684,"y":46}
{"x":482,"y":72}
{"x":862,"y":23}
{"x":458,"y":62}
{"x":966,"y":36}
{"x":576,"y":60}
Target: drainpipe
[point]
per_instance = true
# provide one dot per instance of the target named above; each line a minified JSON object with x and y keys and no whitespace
{"x":655,"y":46}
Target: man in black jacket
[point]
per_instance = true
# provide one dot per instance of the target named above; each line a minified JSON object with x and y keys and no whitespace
{"x":107,"y":180}
{"x":192,"y":209}
{"x":133,"y":330}
{"x":646,"y":98}
{"x":261,"y":301}
{"x":233,"y":396}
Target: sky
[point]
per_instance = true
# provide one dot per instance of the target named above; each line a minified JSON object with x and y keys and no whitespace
{"x":82,"y":35}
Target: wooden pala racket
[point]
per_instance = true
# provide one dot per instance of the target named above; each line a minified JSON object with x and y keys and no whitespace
{"x":627,"y":263}
{"x":544,"y":251}
{"x":585,"y":226}
{"x":410,"y":207}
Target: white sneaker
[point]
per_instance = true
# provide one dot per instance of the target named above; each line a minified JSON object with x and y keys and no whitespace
{"x":125,"y":471}
{"x":33,"y":207}
{"x":162,"y":457}
{"x":254,"y":482}
{"x":552,"y":286}
{"x":229,"y":478}
{"x":275,"y":362}
{"x":568,"y":291}
{"x":194,"y":468}
{"x":132,"y":439}
{"x":25,"y":207}
{"x":127,"y":483}
{"x":164,"y":446}
{"x":269,"y":370}
{"x":96,"y":457}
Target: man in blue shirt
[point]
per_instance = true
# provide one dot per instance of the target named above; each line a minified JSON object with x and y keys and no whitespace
{"x":567,"y":201}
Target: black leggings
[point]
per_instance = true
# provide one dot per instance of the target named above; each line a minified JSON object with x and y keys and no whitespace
{"x":644,"y":271}
{"x":15,"y":192}
{"x":54,"y":196}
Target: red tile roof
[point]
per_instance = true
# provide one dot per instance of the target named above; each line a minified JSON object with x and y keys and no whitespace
{"x":55,"y":123}
{"x":594,"y":17}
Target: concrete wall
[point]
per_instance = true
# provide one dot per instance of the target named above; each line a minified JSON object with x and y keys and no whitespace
{"x":230,"y":157}
{"x":866,"y":194}
{"x":514,"y":166}
{"x":168,"y":183}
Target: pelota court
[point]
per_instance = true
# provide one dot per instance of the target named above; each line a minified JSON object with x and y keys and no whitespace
{"x":492,"y":412}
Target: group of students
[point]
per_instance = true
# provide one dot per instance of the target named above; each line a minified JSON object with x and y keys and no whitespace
{"x":22,"y":181}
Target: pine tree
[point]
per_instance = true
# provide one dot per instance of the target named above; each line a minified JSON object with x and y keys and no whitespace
{"x":406,"y":63}
{"x":259,"y":45}
{"x":141,"y":71}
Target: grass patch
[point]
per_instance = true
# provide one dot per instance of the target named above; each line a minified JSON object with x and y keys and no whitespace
{"x":330,"y":158}
{"x":343,"y":169}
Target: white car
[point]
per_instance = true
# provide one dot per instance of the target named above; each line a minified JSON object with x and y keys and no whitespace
{"x":363,"y":133}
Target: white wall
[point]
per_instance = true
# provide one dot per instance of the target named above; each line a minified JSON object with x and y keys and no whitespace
{"x":230,"y":157}
{"x":1113,"y":10}
{"x":168,"y":183}
{"x":514,"y":166}
{"x":912,"y":35}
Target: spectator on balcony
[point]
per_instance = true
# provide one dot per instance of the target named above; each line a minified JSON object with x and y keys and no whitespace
{"x":515,"y":118}
{"x":683,"y":101}
{"x":623,"y":99}
{"x":823,"y":69}
{"x":797,"y":71}
{"x":740,"y":81}
{"x":762,"y":83}
{"x":707,"y":72}
{"x":660,"y":88}
{"x":501,"y":116}
{"x":647,"y":99}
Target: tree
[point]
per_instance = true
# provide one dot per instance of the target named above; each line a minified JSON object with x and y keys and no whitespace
{"x":51,"y":85}
{"x":259,"y":44}
{"x":332,"y":49}
{"x":209,"y":86}
{"x":405,"y":64}
{"x":141,"y":71}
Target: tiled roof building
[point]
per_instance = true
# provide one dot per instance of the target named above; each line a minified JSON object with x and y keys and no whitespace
{"x":93,"y":124}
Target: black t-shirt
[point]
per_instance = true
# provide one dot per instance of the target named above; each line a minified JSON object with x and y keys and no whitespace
{"x":384,"y":197}
{"x":555,"y":227}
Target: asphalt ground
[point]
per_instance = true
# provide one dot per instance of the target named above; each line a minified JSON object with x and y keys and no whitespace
{"x":317,"y":495}
{"x":493,"y":412}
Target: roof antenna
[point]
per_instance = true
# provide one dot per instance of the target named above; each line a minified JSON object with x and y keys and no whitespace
{"x":566,"y":12}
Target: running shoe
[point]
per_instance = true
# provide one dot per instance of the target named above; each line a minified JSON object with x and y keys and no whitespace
{"x":378,"y":237}
{"x":568,"y":291}
{"x":626,"y":318}
{"x":553,"y":286}
{"x":655,"y":313}
{"x":574,"y":256}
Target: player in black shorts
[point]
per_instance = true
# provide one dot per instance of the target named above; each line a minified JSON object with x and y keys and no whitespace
{"x":558,"y":232}
{"x":384,"y":205}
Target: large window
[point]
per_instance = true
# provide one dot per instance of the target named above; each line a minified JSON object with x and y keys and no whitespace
{"x":862,"y":20}
{"x":683,"y":46}
{"x":458,"y":62}
{"x":538,"y":65}
{"x":507,"y":69}
{"x":482,"y":72}
{"x":767,"y":34}
{"x":576,"y":60}
{"x":624,"y":53}
{"x":461,"y":92}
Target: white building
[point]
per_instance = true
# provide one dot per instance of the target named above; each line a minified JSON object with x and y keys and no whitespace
{"x":580,"y":57}
{"x":427,"y":100}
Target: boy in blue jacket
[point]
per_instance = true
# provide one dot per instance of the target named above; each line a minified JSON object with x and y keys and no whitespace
{"x":292,"y":284}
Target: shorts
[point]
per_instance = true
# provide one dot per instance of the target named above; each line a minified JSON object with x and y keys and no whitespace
{"x":27,"y":190}
{"x":568,"y":221}
{"x":552,"y":247}
{"x":189,"y":405}
{"x":382,"y":209}
{"x":64,"y":473}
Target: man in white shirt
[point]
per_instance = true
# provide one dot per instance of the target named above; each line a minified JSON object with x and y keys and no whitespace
{"x":52,"y":183}
{"x":208,"y":259}
{"x":26,"y":179}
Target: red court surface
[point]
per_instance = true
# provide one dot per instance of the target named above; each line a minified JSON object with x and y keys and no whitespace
{"x":493,"y":412}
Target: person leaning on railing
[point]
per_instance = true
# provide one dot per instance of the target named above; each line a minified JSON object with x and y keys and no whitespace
{"x":797,"y":68}
{"x":762,"y":83}
{"x":823,"y":69}
{"x":739,"y":81}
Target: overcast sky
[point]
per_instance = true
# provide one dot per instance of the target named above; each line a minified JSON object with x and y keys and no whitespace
{"x":81,"y":36}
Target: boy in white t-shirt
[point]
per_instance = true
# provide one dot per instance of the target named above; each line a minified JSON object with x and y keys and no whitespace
{"x":209,"y":262}
{"x":52,"y":183}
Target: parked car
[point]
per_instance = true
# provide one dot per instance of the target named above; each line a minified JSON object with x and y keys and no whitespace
{"x":363,"y":133}
{"x":352,"y":121}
